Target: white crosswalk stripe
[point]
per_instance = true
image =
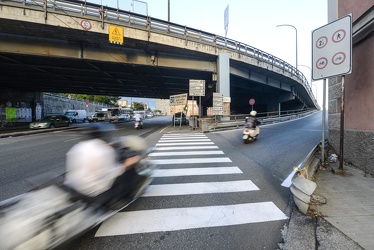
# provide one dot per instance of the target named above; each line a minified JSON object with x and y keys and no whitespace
{"x":196,"y":171}
{"x":173,"y":147}
{"x":172,"y":219}
{"x":183,"y":148}
{"x":200,"y":188}
{"x":217,"y":152}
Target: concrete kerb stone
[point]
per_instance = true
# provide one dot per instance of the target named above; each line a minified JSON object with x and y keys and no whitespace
{"x":30,"y":132}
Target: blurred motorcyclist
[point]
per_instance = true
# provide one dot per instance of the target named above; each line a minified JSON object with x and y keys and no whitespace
{"x":252,"y":121}
{"x":138,"y":117}
{"x":100,"y":168}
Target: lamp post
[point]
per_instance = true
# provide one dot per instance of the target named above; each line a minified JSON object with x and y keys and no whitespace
{"x":310,"y":72}
{"x":296,"y":37}
{"x":316,"y":90}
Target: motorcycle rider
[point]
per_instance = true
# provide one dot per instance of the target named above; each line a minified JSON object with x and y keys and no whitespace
{"x":138,"y":118}
{"x":101,"y":169}
{"x":252,"y":121}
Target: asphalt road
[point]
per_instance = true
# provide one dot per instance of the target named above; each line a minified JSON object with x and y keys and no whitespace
{"x":242,"y":210}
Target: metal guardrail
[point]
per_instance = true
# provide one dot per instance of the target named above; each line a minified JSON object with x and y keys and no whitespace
{"x":112,"y":15}
{"x":303,"y":184}
{"x":237,"y":121}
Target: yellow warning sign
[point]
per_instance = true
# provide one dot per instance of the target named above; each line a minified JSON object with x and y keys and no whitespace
{"x":115,"y":34}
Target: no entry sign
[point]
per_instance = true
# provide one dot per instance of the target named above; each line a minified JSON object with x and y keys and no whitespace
{"x":252,"y":101}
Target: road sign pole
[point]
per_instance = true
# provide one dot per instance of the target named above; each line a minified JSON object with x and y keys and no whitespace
{"x":323,"y":121}
{"x":341,"y":158}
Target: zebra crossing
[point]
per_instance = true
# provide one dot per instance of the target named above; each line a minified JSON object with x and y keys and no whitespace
{"x":185,"y":155}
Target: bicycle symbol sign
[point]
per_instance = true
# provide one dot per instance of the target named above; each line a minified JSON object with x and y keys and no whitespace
{"x":332,"y":49}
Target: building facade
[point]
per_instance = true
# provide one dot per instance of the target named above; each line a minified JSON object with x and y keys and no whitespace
{"x":358,"y":136}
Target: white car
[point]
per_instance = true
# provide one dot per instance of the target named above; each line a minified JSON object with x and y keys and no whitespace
{"x":124,"y":118}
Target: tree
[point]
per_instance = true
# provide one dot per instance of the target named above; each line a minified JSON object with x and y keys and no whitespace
{"x":138,"y":106}
{"x":110,"y":100}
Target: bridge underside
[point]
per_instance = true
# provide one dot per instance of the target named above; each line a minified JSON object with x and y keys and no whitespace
{"x":84,"y":62}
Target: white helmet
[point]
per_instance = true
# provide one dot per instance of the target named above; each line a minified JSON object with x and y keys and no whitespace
{"x":253,"y":113}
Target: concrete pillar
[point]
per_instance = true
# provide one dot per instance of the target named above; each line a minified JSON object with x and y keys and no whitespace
{"x":223,"y":73}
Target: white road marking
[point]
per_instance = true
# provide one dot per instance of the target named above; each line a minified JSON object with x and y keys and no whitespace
{"x":183,"y":143}
{"x":171,"y":219}
{"x":184,"y":135}
{"x":184,"y":148}
{"x":200,"y":188}
{"x":190,"y":160}
{"x":196,"y":171}
{"x":216,"y":152}
{"x":183,"y":140}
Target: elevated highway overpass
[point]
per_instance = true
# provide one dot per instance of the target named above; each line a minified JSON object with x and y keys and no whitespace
{"x":63,"y":46}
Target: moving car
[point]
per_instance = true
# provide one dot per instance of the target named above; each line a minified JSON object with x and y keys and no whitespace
{"x":51,"y":121}
{"x":179,"y":119}
{"x":124,"y":118}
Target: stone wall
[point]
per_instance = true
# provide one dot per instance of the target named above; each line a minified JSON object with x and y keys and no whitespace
{"x":56,"y":104}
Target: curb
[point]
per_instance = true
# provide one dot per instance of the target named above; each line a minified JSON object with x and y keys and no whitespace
{"x":30,"y":132}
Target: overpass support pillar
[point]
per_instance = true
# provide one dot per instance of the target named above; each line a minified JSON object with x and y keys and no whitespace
{"x":223,"y":83}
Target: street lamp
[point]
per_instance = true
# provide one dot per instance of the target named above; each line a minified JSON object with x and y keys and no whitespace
{"x":310,"y":72}
{"x":316,"y":90}
{"x":296,"y":37}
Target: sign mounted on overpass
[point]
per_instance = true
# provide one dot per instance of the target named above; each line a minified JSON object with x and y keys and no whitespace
{"x":178,"y":99}
{"x":332,"y":49}
{"x":116,"y":34}
{"x":197,"y":88}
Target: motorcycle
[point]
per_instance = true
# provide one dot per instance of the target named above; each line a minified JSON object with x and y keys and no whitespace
{"x":53,"y":216}
{"x":138,"y":124}
{"x":250,"y":134}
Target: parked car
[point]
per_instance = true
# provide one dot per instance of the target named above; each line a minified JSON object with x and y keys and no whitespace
{"x":124,"y":118}
{"x":179,"y":119}
{"x":51,"y":121}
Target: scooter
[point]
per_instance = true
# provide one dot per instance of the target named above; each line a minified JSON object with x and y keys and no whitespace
{"x":138,"y":124}
{"x":250,"y":134}
{"x":53,"y":216}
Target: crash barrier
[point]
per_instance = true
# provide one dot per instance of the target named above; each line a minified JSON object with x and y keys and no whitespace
{"x":215,"y":123}
{"x":303,"y":185}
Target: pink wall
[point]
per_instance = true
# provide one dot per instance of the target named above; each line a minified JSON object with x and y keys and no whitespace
{"x":356,"y":7}
{"x":359,"y":88}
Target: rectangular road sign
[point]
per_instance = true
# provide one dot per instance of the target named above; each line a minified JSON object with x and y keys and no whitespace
{"x":197,"y":87}
{"x":217,"y":104}
{"x":332,"y":49}
{"x":178,"y":99}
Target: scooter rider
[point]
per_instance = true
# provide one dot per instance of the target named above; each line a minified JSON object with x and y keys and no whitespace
{"x":100,"y":169}
{"x":252,"y":121}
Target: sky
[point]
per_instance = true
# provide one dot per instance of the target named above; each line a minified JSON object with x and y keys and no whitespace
{"x":253,"y":22}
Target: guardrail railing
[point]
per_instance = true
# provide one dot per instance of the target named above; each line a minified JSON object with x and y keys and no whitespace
{"x":109,"y":14}
{"x":238,"y":121}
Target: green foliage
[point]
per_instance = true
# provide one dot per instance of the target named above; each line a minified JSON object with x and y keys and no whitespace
{"x":110,"y":100}
{"x":138,"y":106}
